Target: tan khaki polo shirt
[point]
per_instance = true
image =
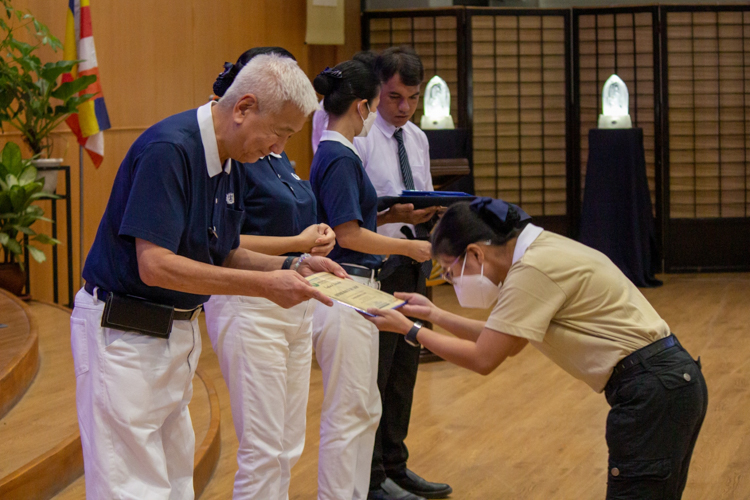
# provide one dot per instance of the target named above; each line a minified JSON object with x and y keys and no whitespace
{"x":574,"y":305}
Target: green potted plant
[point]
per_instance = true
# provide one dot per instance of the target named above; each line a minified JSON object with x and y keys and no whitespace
{"x":33,"y":98}
{"x":19,"y":188}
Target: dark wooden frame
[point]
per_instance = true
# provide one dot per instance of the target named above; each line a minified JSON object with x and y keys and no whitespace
{"x":701,"y":244}
{"x":562,"y":224}
{"x":708,"y":244}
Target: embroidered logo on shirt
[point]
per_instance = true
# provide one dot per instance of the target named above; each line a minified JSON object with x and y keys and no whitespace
{"x":230,"y":198}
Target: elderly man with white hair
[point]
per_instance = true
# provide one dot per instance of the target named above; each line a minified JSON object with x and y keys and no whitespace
{"x":169,"y":239}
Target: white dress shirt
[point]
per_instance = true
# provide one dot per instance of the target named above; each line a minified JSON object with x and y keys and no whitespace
{"x":319,"y":124}
{"x":379,"y":153}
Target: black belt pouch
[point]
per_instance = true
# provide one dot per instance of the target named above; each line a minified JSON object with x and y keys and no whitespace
{"x":122,"y":312}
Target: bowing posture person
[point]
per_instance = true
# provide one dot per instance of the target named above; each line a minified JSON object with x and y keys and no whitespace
{"x":265,"y":350}
{"x":346,"y":345}
{"x":169,"y":239}
{"x":576,"y":307}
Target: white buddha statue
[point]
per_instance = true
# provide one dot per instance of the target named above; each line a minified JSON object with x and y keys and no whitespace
{"x":437,"y":106}
{"x":615,"y":104}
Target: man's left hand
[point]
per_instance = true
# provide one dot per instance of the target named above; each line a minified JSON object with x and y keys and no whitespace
{"x":312,"y":265}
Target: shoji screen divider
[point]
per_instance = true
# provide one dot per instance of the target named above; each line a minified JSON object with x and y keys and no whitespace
{"x":519,"y":92}
{"x":706,"y":71}
{"x":437,"y":35}
{"x":622,"y":41}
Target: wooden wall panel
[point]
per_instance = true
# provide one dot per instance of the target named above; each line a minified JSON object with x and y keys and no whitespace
{"x":160,"y":58}
{"x":709,"y":114}
{"x":520,"y":110}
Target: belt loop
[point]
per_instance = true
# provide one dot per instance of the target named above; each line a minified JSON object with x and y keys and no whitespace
{"x":643,"y":359}
{"x":96,"y":295}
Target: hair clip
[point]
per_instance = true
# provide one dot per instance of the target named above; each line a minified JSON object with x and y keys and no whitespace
{"x":228,"y":67}
{"x":333,"y":73}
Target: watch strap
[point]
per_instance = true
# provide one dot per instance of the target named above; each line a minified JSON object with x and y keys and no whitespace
{"x":411,"y":337}
{"x":288,"y":262}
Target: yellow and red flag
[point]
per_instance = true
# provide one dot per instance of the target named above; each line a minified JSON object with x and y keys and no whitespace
{"x":92,"y":117}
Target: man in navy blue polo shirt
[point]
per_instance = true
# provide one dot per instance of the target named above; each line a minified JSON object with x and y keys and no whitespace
{"x":168,"y":240}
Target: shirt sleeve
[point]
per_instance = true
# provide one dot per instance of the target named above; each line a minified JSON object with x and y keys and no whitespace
{"x":339,"y":192}
{"x":527,"y":303}
{"x":156,"y":210}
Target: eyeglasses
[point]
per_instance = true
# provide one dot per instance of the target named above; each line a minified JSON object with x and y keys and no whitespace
{"x":447,"y":274}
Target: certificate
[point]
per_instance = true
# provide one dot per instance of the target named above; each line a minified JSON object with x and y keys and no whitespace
{"x":353,"y":294}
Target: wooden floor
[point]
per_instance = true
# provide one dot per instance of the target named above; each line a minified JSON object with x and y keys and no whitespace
{"x":530,"y":431}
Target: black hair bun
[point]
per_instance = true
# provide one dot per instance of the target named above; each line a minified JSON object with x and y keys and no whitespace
{"x":327,"y":81}
{"x":225,"y":79}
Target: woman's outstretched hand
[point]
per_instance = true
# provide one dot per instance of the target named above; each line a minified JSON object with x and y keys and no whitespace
{"x":417,"y":306}
{"x":389,"y":320}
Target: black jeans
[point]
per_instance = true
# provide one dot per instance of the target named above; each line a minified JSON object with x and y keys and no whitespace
{"x":397,"y":374}
{"x":657,"y":411}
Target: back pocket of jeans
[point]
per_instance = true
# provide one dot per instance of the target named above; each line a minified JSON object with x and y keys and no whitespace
{"x":79,"y":345}
{"x":684,"y":393}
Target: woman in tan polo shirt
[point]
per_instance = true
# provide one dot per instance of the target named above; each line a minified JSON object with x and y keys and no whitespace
{"x":574,"y":305}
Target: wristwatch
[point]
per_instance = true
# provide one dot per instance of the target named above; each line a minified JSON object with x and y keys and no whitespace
{"x":411,"y":337}
{"x":288,"y":262}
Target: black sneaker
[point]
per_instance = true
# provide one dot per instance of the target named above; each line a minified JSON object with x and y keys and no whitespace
{"x":391,"y":491}
{"x":418,"y":486}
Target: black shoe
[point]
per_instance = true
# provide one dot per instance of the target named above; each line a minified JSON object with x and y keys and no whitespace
{"x":391,"y":491}
{"x":415,"y":484}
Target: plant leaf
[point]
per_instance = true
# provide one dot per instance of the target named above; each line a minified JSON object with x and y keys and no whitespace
{"x":12,"y":158}
{"x":25,"y":230}
{"x":52,"y":71}
{"x":14,"y":246}
{"x":67,"y":90}
{"x":28,"y":175}
{"x":45,"y":240}
{"x":18,"y":198}
{"x":4,"y":238}
{"x":36,"y":254}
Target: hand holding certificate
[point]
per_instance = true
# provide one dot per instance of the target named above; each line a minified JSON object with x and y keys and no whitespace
{"x":353,"y":294}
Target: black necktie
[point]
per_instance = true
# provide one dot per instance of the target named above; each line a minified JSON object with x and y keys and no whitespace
{"x":403,"y":161}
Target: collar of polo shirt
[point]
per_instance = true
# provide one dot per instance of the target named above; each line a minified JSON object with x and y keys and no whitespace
{"x":208,"y":138}
{"x":270,"y":154}
{"x":525,"y":239}
{"x":332,"y":135}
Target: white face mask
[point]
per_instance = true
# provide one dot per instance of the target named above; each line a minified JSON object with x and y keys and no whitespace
{"x":368,"y":123}
{"x":475,"y":291}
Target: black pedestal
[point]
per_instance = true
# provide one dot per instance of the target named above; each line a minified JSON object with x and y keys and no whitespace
{"x":616,"y":217}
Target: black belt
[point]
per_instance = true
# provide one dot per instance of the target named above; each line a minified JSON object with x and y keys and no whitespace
{"x":650,"y":350}
{"x":178,"y":315}
{"x":362,"y":272}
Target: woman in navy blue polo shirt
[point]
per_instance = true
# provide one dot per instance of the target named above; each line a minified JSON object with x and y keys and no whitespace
{"x":264,"y":350}
{"x":346,"y":345}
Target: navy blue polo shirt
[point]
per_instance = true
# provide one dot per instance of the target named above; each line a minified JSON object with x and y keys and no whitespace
{"x":164,"y":193}
{"x":344,"y":193}
{"x":277,"y":202}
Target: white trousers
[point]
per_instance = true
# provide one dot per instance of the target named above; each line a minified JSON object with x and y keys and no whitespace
{"x":265,"y":353}
{"x":132,"y":395}
{"x":346,"y":346}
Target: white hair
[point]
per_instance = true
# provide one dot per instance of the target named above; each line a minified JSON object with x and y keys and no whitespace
{"x":274,"y":80}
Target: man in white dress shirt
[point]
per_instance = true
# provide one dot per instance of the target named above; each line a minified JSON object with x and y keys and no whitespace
{"x":396,"y":156}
